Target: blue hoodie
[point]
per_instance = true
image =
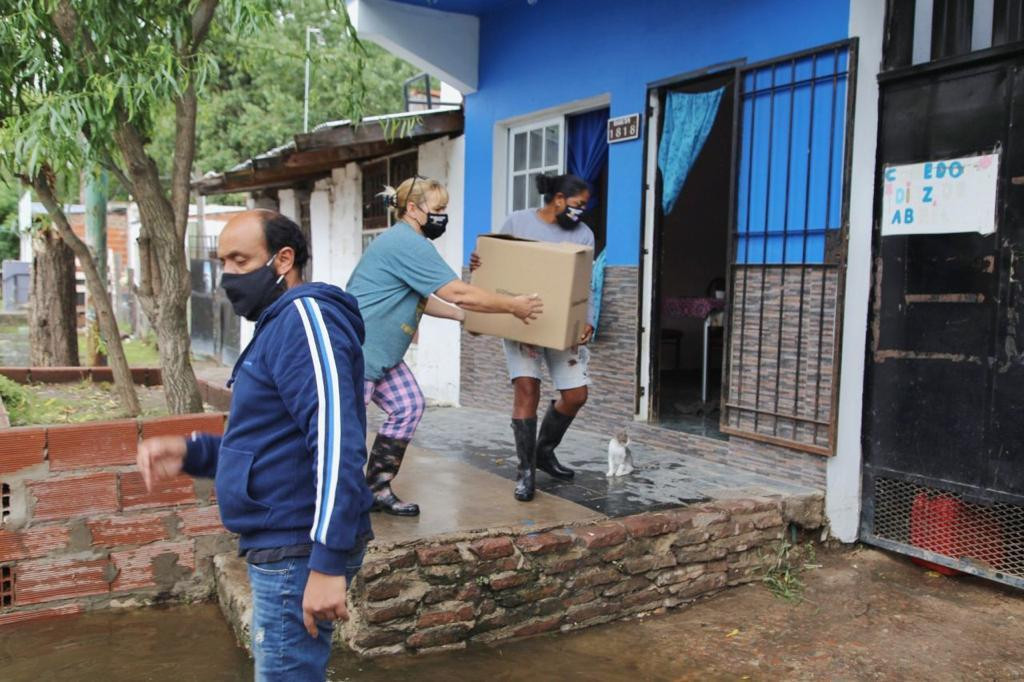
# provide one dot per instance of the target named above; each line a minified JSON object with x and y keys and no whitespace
{"x":289,"y":468}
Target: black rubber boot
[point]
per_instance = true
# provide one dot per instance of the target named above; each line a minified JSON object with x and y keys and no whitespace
{"x":525,"y":431}
{"x":552,"y":429}
{"x":384,"y":462}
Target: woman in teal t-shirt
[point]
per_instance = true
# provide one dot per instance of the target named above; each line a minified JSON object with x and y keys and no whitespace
{"x":400,"y":277}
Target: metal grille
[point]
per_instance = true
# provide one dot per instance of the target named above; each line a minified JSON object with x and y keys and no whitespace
{"x":5,"y":503}
{"x":945,"y":528}
{"x":204,"y":247}
{"x":787,"y":250}
{"x":6,"y":587}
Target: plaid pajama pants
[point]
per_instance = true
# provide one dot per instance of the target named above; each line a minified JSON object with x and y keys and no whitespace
{"x":398,"y":394}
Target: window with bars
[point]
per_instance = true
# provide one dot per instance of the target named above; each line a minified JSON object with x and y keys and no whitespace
{"x":533,"y":149}
{"x":391,"y":171}
{"x":5,"y":503}
{"x":6,"y":587}
{"x":920,"y":31}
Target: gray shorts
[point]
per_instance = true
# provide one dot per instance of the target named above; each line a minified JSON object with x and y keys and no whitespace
{"x":568,"y":368}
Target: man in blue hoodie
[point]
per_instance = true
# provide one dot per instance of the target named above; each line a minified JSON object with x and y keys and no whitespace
{"x":289,"y":468}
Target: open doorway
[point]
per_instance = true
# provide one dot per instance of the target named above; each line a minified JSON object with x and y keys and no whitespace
{"x":691,"y":244}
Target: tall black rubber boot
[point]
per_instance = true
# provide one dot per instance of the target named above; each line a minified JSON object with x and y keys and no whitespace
{"x":525,"y":431}
{"x":552,"y":429}
{"x":383,"y":464}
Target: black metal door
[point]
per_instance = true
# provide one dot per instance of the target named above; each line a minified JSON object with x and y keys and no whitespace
{"x":944,"y":383}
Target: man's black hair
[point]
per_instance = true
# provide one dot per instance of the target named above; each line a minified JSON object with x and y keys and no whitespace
{"x":281,"y":231}
{"x":567,"y":185}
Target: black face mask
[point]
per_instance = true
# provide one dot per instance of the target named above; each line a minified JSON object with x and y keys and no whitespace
{"x":250,"y":294}
{"x":435,"y":226}
{"x":569,"y":218}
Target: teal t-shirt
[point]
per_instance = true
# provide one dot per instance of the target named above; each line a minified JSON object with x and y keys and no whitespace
{"x":396,"y":274}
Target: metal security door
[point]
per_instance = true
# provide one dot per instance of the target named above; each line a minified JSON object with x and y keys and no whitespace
{"x":944,"y":383}
{"x":780,"y":383}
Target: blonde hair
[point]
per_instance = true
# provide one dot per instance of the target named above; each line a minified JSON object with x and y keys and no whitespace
{"x":415,"y":190}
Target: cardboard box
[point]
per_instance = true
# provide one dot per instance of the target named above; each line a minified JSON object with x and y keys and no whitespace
{"x":558,"y":273}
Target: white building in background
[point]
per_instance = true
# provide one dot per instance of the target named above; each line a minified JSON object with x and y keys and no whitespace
{"x":328,"y":181}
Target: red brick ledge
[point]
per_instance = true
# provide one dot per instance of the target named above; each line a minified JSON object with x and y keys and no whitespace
{"x":142,"y":376}
{"x":93,"y":444}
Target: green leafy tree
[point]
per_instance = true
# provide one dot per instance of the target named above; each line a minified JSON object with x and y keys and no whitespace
{"x":83,"y":83}
{"x":259,"y":87}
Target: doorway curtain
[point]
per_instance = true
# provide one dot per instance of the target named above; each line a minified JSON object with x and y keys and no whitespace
{"x":587,"y":155}
{"x":689,"y":118}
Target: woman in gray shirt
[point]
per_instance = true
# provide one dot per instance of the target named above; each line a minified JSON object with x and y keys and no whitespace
{"x":558,"y":220}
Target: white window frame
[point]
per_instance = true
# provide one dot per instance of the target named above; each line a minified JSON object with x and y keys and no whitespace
{"x":501,"y":162}
{"x":549,"y":168}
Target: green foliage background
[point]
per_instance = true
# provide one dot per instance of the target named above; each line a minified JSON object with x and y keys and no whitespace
{"x":255,"y":101}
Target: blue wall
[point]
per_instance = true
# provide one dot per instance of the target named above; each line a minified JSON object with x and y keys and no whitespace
{"x":556,"y":51}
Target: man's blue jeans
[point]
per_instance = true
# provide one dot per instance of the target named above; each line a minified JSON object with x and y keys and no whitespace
{"x":281,"y":646}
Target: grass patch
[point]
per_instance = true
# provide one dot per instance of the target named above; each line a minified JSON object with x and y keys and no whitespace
{"x":16,"y":399}
{"x":138,"y":352}
{"x":74,"y":403}
{"x":783,"y":568}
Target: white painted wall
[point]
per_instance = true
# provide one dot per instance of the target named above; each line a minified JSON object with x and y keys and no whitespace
{"x":435,"y":358}
{"x":842,"y":498}
{"x":288,"y":204}
{"x":444,"y":44}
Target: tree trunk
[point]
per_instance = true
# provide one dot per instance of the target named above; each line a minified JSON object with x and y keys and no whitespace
{"x":53,"y":318}
{"x":97,"y":291}
{"x":165,"y":283}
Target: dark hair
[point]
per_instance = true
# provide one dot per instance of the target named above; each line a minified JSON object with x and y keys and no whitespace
{"x":567,"y":185}
{"x":280,"y":231}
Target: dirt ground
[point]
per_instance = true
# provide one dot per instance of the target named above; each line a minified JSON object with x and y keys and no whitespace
{"x":866,"y":615}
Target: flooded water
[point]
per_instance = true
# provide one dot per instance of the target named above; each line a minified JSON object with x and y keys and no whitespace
{"x":174,"y":644}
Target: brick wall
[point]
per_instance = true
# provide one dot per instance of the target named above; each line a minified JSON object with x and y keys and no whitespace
{"x":434,"y":595}
{"x":485,"y":385}
{"x":117,"y":232}
{"x":78,"y":530}
{"x":782,"y":352}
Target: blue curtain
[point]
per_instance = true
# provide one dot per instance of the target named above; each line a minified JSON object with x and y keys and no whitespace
{"x":596,"y":288}
{"x":587,"y":155}
{"x":588,"y":147}
{"x":689,"y":118}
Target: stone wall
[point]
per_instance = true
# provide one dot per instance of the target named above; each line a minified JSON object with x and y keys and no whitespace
{"x":443,"y":593}
{"x":78,"y":531}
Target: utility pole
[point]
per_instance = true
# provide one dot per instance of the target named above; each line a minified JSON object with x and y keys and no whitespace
{"x":96,"y":187}
{"x":305,"y":97}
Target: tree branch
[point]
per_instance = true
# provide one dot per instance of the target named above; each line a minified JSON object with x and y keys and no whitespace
{"x":107,"y":161}
{"x":184,"y":155}
{"x":42,"y":183}
{"x":201,"y":20}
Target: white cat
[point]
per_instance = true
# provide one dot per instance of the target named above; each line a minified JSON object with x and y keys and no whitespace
{"x":620,"y":459}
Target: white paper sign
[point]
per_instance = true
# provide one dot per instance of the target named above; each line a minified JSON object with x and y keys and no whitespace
{"x":941,"y":197}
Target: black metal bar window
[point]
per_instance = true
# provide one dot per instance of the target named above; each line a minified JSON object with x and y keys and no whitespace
{"x":786,"y":264}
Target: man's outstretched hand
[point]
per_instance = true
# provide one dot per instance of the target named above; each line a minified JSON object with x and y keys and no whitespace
{"x":324,"y":599}
{"x":160,"y":459}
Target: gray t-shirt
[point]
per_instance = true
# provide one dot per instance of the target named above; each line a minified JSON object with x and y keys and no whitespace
{"x":526,"y":224}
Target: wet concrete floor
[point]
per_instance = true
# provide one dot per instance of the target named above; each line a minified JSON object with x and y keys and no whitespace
{"x":866,"y":615}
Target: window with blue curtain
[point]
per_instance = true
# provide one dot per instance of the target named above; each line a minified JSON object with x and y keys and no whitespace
{"x":790,"y":174}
